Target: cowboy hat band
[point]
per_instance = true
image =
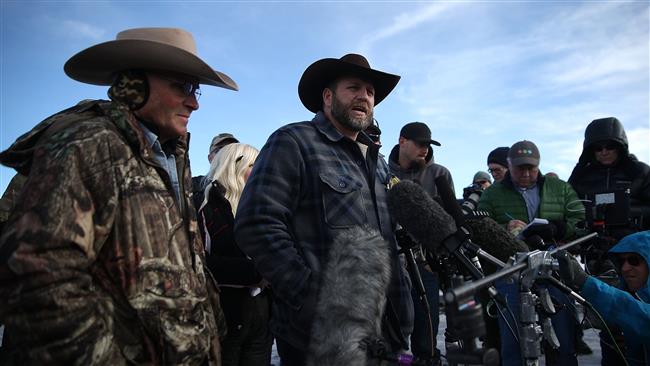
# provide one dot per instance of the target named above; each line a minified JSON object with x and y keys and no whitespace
{"x":322,"y":72}
{"x":163,"y":49}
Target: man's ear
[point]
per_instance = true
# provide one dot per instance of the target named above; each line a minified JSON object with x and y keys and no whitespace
{"x":327,"y":98}
{"x":401,"y":140}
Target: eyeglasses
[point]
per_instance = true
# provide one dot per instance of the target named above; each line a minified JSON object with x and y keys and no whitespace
{"x":496,"y":170}
{"x":608,"y":146}
{"x":481,"y":182}
{"x":632,"y":259}
{"x":186,"y":88}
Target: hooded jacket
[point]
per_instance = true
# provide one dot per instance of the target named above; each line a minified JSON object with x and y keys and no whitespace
{"x":631,"y":312}
{"x":100,"y":263}
{"x":589,"y":176}
{"x":425,"y":176}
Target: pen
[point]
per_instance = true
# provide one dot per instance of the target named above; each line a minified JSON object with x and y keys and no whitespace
{"x":509,"y":216}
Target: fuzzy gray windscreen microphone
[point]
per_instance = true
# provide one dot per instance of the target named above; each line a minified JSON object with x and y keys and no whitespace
{"x":351,"y":299}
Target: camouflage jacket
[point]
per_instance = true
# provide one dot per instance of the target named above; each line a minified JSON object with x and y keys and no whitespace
{"x":99,"y":263}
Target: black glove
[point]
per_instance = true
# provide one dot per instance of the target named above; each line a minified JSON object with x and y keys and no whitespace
{"x":536,"y":242}
{"x":544,"y":231}
{"x":572,"y":274}
{"x":559,"y":226}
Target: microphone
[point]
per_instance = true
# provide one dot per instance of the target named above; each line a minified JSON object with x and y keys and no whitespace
{"x":484,"y":231}
{"x":494,"y":239}
{"x":352,"y":298}
{"x":419,"y":214}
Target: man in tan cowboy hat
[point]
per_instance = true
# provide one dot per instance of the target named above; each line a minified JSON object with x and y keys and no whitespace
{"x":320,"y":178}
{"x":100,"y":261}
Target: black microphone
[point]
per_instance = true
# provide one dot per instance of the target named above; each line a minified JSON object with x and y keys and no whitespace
{"x":419,"y":214}
{"x":351,"y":300}
{"x":484,"y":231}
{"x":494,"y":239}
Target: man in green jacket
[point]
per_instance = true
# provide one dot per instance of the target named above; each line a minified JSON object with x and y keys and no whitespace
{"x":523,"y":195}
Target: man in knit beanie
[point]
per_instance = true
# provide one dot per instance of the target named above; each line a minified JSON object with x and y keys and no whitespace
{"x":497,"y":162}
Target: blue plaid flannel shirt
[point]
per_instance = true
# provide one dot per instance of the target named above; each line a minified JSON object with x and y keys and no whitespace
{"x":308,"y":184}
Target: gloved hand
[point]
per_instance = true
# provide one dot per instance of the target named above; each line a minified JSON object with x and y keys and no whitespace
{"x":544,"y":231}
{"x":572,"y":274}
{"x":536,"y":242}
{"x":559,"y":226}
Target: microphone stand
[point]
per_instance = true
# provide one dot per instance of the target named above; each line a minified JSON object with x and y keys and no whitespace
{"x":532,"y":265}
{"x":407,"y":245}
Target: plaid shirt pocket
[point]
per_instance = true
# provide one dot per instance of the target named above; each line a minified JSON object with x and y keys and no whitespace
{"x":342,"y":201}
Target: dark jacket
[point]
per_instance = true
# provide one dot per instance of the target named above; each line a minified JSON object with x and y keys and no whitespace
{"x":589,"y":176}
{"x":234,"y":272}
{"x":425,"y":176}
{"x":100,"y":263}
{"x":558,"y":201}
{"x":310,"y":183}
{"x":629,"y":311}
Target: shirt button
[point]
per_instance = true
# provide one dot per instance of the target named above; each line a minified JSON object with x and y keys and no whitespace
{"x":342,"y":184}
{"x":359,"y":162}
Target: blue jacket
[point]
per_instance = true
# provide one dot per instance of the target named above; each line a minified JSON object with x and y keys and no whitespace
{"x":621,"y":308}
{"x":310,"y":183}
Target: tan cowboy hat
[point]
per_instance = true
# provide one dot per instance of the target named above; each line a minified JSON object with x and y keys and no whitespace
{"x":164,"y":49}
{"x":322,"y":72}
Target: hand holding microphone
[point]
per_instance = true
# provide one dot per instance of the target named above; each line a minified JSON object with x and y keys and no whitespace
{"x":570,"y":270}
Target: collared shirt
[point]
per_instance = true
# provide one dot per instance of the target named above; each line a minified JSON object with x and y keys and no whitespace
{"x":531,"y":197}
{"x":166,"y":161}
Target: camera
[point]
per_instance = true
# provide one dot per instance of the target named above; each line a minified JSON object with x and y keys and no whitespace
{"x":471,"y":196}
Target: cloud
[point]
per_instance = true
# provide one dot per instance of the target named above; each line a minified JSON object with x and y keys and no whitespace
{"x":638,"y":143}
{"x":404,"y":22}
{"x":83,"y":30}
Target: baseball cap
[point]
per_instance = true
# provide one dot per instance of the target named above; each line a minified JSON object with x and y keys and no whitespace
{"x":220,"y":138}
{"x":524,"y":152}
{"x":418,"y":132}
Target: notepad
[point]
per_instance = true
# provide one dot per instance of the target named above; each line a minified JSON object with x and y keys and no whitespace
{"x":536,"y":221}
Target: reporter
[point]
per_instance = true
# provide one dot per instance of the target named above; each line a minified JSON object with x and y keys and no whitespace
{"x":628,"y":307}
{"x":606,"y":164}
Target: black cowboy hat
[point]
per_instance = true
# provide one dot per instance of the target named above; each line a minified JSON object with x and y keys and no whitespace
{"x":319,"y":74}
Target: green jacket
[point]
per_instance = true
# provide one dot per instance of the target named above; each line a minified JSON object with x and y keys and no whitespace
{"x":100,"y":263}
{"x":558,"y":201}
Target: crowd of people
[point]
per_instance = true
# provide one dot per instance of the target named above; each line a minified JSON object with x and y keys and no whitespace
{"x":111,"y":253}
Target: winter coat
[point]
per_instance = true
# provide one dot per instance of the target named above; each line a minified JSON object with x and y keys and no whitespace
{"x":425,"y":176}
{"x":589,"y":176}
{"x":234,"y":272}
{"x":558,"y":201}
{"x":100,"y":263}
{"x":316,"y":184}
{"x":620,"y":307}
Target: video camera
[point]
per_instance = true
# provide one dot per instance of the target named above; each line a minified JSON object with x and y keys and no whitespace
{"x":471,"y":196}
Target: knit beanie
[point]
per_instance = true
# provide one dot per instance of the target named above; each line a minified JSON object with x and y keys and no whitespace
{"x":499,"y":156}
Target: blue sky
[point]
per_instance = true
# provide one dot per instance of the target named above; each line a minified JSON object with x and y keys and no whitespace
{"x":481,"y":74}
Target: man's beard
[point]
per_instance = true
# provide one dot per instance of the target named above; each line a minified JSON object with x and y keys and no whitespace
{"x":342,"y":113}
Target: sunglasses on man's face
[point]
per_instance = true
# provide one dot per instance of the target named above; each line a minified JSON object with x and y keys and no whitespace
{"x":609,"y":146}
{"x":496,"y":170}
{"x":186,"y":88}
{"x":481,"y":182}
{"x":632,"y":259}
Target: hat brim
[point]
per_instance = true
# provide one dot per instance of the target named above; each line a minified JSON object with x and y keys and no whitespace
{"x":524,"y":161}
{"x":427,"y":141}
{"x":99,"y":64}
{"x":319,"y":74}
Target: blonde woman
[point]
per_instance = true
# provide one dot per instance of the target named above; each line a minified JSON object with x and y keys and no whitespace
{"x":245,"y":303}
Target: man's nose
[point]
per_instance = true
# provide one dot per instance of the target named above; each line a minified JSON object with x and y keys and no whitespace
{"x":191,"y":102}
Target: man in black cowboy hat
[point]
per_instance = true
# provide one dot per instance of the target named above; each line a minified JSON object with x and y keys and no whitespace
{"x":101,"y":261}
{"x":320,"y":178}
